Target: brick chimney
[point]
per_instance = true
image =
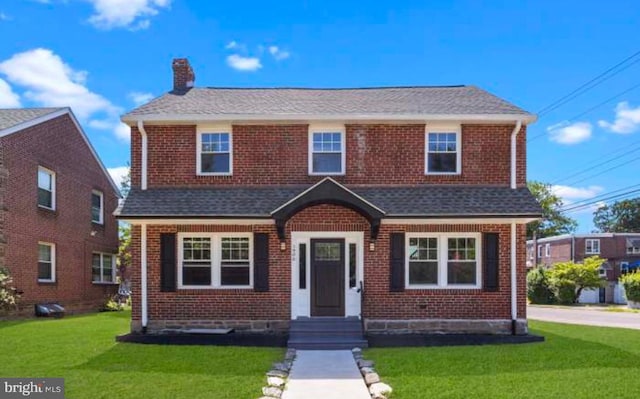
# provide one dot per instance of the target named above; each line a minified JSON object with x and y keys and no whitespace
{"x":183,"y":76}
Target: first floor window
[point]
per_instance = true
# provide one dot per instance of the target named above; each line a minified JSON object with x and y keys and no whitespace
{"x":215,"y":153}
{"x":46,"y":262}
{"x":103,"y":268}
{"x":216,"y":260}
{"x":547,"y":250}
{"x":46,"y":188}
{"x":539,"y":251}
{"x":443,"y":260}
{"x":443,"y":153}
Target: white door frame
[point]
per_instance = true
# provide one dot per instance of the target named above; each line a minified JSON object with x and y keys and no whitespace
{"x":301,"y":298}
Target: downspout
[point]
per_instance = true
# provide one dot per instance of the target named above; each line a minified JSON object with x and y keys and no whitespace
{"x":514,"y":151}
{"x":143,"y":277}
{"x":514,"y":282}
{"x":143,"y":173}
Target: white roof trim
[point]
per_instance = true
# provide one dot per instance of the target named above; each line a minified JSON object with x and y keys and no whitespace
{"x":317,"y":184}
{"x":587,"y":236}
{"x":212,"y":221}
{"x":199,"y":118}
{"x":55,"y":114}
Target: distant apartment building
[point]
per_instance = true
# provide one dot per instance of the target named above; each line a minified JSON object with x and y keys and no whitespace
{"x":621,"y":251}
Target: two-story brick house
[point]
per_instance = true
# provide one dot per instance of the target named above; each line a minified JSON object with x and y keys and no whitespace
{"x":621,"y":250}
{"x":58,"y":235}
{"x":253,"y":208}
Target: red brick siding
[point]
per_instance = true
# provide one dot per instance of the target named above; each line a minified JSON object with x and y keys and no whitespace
{"x":376,"y":154}
{"x":379,"y":302}
{"x":58,"y":146}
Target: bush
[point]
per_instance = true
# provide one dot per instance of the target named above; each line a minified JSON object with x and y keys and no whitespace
{"x":631,"y":283}
{"x":538,"y":289}
{"x":8,"y":294}
{"x":569,"y":279}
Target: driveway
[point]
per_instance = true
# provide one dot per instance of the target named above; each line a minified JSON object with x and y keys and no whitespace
{"x":586,"y":316}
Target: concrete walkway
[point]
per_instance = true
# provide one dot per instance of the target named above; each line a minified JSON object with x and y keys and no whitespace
{"x":325,"y":375}
{"x":585,"y":316}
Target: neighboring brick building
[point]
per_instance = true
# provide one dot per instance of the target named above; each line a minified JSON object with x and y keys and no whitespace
{"x":58,"y":235}
{"x":621,"y":250}
{"x":253,"y":208}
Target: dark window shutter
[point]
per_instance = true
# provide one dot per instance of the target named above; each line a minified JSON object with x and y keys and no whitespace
{"x":167,"y":262}
{"x":396,"y":262}
{"x":491,"y":261}
{"x":261,"y":262}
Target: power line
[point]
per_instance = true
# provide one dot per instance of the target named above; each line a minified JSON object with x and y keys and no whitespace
{"x":607,"y":199}
{"x":588,"y":85}
{"x":604,"y":171}
{"x":599,"y":197}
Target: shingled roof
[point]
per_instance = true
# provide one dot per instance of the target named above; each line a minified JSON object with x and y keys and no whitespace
{"x":259,"y":202}
{"x":16,"y":116}
{"x":200,"y":103}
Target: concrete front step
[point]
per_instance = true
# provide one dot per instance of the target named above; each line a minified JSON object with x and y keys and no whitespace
{"x":326,"y":343}
{"x":326,"y":333}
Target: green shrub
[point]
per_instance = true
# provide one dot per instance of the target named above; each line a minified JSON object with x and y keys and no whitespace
{"x":631,"y":283}
{"x":569,"y":279}
{"x":538,"y":289}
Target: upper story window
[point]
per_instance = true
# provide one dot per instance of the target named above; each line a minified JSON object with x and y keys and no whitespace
{"x":443,"y":151}
{"x":326,"y":151}
{"x":46,"y":188}
{"x":633,"y":246}
{"x":46,"y":262}
{"x":215,"y":152}
{"x":443,"y":260}
{"x":592,"y":246}
{"x":547,"y":250}
{"x":97,"y":207}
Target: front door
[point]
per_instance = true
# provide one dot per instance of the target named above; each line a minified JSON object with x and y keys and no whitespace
{"x":327,"y":277}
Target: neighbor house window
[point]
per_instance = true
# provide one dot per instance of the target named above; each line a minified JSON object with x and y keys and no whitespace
{"x":103,"y":268}
{"x":633,"y":246}
{"x":547,"y":250}
{"x":443,"y":151}
{"x":46,"y":262}
{"x":592,"y":246}
{"x":326,"y":152}
{"x":215,"y":260}
{"x":539,"y":251}
{"x":215,"y":155}
{"x":443,"y":260}
{"x":97,"y":207}
{"x":46,"y":188}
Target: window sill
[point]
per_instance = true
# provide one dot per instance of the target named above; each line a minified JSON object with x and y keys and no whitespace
{"x":327,"y":174}
{"x":229,"y":174}
{"x":443,"y":174}
{"x":47,"y":209}
{"x":97,"y":224}
{"x":47,"y":282}
{"x":447,"y":287}
{"x":209,"y":287}
{"x":104,"y":283}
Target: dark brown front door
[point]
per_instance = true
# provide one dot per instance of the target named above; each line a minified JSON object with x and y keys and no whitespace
{"x":327,"y":277}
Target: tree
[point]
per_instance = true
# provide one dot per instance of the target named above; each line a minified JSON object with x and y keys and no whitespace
{"x":569,"y":279}
{"x":124,"y":232}
{"x":538,"y":288}
{"x":621,"y":217}
{"x":553,"y":221}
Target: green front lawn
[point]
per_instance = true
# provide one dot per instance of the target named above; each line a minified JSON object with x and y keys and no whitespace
{"x":574,"y":362}
{"x":83,"y":351}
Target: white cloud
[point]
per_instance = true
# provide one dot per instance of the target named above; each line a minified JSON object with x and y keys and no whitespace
{"x":569,"y":193}
{"x":566,"y":133}
{"x":118,"y":174}
{"x":627,"y":119}
{"x":8,"y":99}
{"x":278,"y":53}
{"x":241,"y":63}
{"x":50,"y":82}
{"x":140,"y":98}
{"x":131,"y":14}
{"x":119,"y":129}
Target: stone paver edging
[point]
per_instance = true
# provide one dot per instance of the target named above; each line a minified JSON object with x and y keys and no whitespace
{"x":377,"y":389}
{"x":277,"y":377}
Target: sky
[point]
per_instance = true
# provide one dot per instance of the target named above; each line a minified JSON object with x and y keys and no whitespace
{"x":105,"y":57}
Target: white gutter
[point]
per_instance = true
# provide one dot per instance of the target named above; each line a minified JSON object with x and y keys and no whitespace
{"x":514,"y":282}
{"x":143,"y":276}
{"x":514,"y":152}
{"x":143,"y":134}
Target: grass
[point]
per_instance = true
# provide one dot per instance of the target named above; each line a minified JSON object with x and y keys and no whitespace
{"x":574,"y":362}
{"x":82,"y":349}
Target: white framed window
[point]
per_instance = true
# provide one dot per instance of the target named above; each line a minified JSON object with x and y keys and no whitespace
{"x":539,"y":251}
{"x":327,"y":151}
{"x":602,"y":272}
{"x":547,"y":250}
{"x":449,"y":260}
{"x":592,"y":246}
{"x":97,"y":207}
{"x":46,"y":188}
{"x":46,"y":262}
{"x":633,"y":246}
{"x":214,"y":151}
{"x":443,"y":151}
{"x":103,"y":267}
{"x":215,"y":260}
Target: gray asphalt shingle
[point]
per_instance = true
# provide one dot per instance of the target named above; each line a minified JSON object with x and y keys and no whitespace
{"x":13,"y":117}
{"x":425,"y":200}
{"x":450,"y":100}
